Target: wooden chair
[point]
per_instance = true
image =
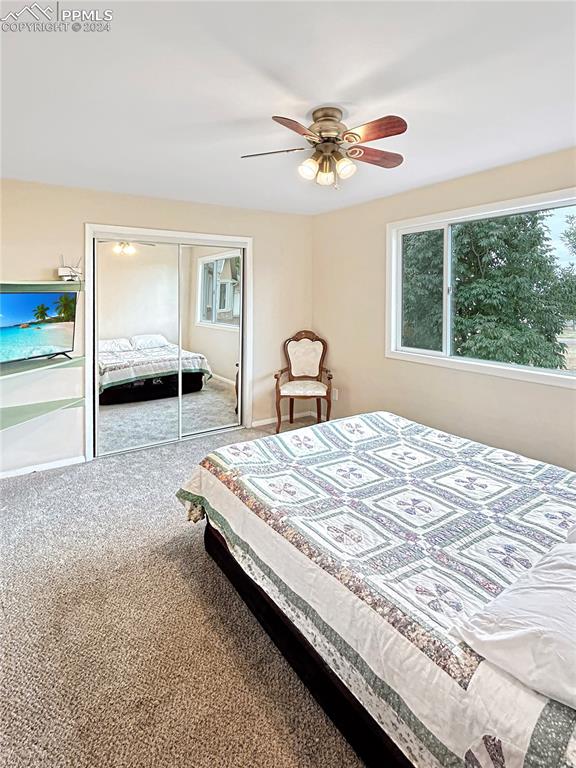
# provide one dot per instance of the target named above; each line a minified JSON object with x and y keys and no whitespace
{"x":305,"y":353}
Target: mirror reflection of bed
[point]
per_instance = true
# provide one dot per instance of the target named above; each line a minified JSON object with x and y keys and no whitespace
{"x":145,"y":300}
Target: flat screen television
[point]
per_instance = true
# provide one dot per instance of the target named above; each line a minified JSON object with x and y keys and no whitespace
{"x":36,"y":325}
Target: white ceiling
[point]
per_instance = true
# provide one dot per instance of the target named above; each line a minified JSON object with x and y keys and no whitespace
{"x":166,"y":102}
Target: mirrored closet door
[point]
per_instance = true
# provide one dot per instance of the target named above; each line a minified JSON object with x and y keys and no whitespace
{"x":211,"y":302}
{"x":167,"y":348}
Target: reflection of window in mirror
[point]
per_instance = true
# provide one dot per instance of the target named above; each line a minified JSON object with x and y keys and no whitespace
{"x":206,"y":304}
{"x":220,"y":287}
{"x":224,"y":302}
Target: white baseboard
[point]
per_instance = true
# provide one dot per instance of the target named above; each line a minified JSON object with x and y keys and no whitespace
{"x":221,"y":378}
{"x":42,"y":467}
{"x":263,"y":422}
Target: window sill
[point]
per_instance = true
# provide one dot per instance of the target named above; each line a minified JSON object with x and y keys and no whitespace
{"x":520,"y":373}
{"x":218,"y":326}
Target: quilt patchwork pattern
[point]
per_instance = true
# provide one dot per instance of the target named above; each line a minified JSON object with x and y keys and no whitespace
{"x":422,"y":525}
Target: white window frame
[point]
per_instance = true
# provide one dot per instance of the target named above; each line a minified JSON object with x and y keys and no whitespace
{"x":394,"y":233}
{"x":207,"y":323}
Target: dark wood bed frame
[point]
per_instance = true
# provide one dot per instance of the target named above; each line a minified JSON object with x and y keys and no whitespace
{"x":357,"y":726}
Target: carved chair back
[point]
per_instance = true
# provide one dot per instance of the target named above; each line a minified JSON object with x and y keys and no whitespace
{"x":305,"y":353}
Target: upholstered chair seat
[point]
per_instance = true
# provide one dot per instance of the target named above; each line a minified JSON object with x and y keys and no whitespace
{"x":305,"y":353}
{"x":304,"y":388}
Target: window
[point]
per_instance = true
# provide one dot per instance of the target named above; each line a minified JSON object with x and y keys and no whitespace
{"x":219,"y":290}
{"x":422,"y":289}
{"x":494,"y":289}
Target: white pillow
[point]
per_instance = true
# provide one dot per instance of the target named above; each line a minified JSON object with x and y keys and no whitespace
{"x":529,"y":630}
{"x":114,"y":345}
{"x":149,"y":341}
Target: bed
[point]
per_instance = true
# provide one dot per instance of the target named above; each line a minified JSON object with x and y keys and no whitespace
{"x":145,"y":368}
{"x":358,"y":543}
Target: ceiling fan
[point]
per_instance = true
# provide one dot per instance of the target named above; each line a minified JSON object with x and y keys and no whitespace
{"x":126,"y":247}
{"x":336,"y":146}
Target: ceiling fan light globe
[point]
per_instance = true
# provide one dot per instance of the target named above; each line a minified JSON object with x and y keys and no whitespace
{"x":345,"y":168}
{"x":325,"y":179}
{"x":308,"y":169}
{"x":129,"y":249}
{"x":118,"y":248}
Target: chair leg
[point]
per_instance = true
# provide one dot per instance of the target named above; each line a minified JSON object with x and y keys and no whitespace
{"x":291,"y":410}
{"x":278,"y":415}
{"x":318,"y":410}
{"x":328,"y":408}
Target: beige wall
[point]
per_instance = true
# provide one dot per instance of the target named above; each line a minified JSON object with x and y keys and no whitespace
{"x":138,"y":293}
{"x":328,"y":273}
{"x":349,"y":310}
{"x":40,"y":222}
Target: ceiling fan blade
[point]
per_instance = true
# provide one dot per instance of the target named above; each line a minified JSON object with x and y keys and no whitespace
{"x":377,"y":129}
{"x":294,"y":125}
{"x":375,"y":156}
{"x":275,"y":152}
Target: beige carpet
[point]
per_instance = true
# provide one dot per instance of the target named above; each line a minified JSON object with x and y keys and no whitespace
{"x":132,"y":425}
{"x":122,"y":643}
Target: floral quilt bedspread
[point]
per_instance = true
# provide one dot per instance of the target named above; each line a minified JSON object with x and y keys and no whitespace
{"x":421,"y":527}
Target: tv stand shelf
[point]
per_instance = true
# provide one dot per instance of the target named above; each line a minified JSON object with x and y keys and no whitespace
{"x":29,"y":366}
{"x":40,"y":286}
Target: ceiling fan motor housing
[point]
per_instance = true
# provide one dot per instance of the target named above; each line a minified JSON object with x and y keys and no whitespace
{"x":327,"y":123}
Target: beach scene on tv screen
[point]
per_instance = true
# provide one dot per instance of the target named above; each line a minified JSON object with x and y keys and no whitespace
{"x":36,"y":324}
